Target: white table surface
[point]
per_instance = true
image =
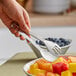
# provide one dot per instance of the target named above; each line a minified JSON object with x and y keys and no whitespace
{"x":9,"y":44}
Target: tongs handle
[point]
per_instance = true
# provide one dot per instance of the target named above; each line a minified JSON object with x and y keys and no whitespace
{"x":37,"y":50}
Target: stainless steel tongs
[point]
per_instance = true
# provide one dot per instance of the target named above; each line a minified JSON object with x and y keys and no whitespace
{"x":40,"y":52}
{"x":52,"y":47}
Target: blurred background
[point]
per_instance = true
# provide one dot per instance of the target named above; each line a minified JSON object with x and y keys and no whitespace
{"x":51,"y":7}
{"x":49,"y":18}
{"x":56,"y":12}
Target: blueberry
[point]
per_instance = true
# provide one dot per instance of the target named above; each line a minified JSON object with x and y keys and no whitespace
{"x":62,"y":39}
{"x":67,"y":42}
{"x":50,"y":39}
{"x":58,"y":42}
{"x":37,"y":41}
{"x":41,"y":43}
{"x":46,"y":38}
{"x":62,"y":44}
{"x":55,"y":39}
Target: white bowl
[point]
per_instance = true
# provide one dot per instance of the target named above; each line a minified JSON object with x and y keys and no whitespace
{"x":51,"y":6}
{"x":64,"y":49}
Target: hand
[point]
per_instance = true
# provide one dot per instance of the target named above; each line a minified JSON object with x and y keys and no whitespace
{"x":11,"y":11}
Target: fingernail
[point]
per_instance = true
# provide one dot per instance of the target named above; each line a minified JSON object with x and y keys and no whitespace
{"x":17,"y":34}
{"x":22,"y":38}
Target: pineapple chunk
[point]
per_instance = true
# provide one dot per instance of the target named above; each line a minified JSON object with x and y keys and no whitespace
{"x":72,"y":67}
{"x":33,"y":66}
{"x":37,"y":71}
{"x":60,"y":59}
{"x":66,"y":73}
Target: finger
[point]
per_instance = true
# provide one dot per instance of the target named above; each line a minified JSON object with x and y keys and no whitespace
{"x":22,"y":38}
{"x":17,"y":34}
{"x":13,"y":30}
{"x":23,"y":25}
{"x":27,"y":20}
{"x":7,"y":21}
{"x":16,"y":27}
{"x":26,"y":33}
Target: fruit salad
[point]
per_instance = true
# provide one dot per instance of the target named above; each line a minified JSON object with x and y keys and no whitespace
{"x":60,"y":67}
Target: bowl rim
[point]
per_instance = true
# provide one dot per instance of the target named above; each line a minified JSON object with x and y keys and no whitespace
{"x":29,"y":63}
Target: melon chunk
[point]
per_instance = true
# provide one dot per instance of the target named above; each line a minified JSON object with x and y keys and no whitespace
{"x":44,"y":65}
